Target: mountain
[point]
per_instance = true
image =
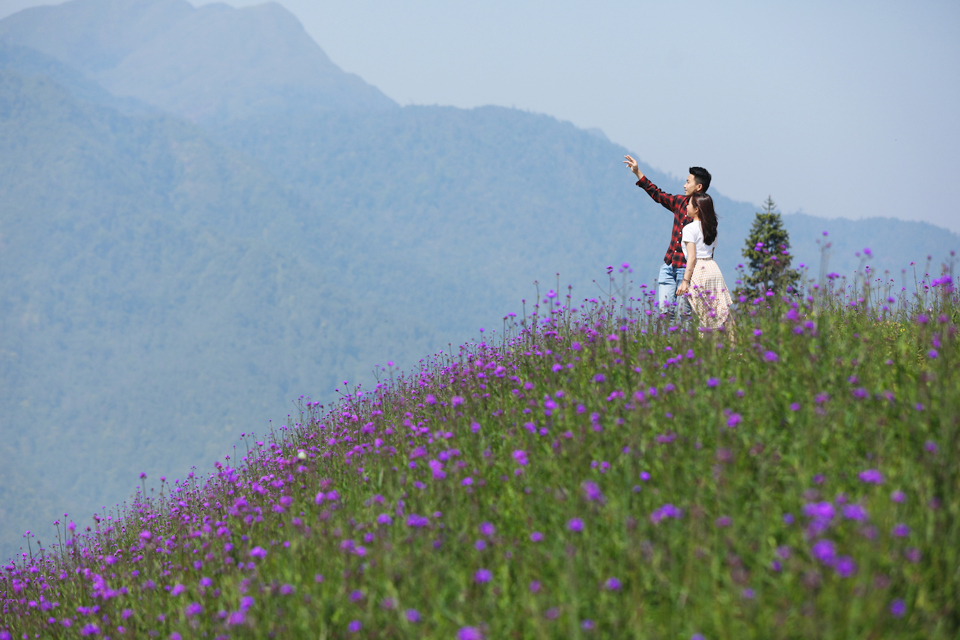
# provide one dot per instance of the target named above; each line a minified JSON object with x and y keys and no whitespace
{"x":30,"y":63}
{"x":513,"y":197}
{"x":210,"y":62}
{"x":168,"y":284}
{"x":155,"y":303}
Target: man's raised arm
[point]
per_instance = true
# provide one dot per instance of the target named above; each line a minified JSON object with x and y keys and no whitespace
{"x":633,"y":166}
{"x":668,"y":201}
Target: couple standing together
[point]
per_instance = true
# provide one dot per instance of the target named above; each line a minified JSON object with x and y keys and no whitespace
{"x":688,"y":272}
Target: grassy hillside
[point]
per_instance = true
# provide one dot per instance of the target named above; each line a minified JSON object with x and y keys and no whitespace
{"x":587,"y":474}
{"x":149,"y":269}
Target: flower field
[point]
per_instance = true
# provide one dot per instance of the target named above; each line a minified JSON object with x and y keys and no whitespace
{"x":587,"y":473}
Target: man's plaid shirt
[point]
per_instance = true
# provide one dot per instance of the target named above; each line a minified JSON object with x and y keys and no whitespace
{"x":678,"y":205}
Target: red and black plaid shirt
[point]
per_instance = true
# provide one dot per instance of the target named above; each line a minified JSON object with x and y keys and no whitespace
{"x":678,"y":205}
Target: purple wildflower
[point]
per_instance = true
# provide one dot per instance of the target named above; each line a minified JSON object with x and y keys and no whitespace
{"x":482,"y":576}
{"x":592,"y":491}
{"x":354,"y":626}
{"x":855,"y":512}
{"x":901,"y":530}
{"x":612,"y":584}
{"x":897,"y":608}
{"x":436,"y":467}
{"x":412,"y":616}
{"x":825,"y":552}
{"x":536,"y":536}
{"x":469,"y":633}
{"x":575,"y":524}
{"x":871,"y":476}
{"x":487,"y":529}
{"x":666,"y":511}
{"x":845,"y":566}
{"x":520,"y":456}
{"x":414,"y":520}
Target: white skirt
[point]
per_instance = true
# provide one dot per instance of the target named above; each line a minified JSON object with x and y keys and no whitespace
{"x":709,"y":295}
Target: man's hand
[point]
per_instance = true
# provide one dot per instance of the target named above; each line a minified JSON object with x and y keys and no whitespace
{"x":632,"y":165}
{"x":683,"y":288}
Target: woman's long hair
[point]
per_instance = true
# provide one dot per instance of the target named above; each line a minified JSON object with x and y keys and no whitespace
{"x":703,"y":203}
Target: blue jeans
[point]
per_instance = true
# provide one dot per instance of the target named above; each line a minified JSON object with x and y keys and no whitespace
{"x":669,"y":278}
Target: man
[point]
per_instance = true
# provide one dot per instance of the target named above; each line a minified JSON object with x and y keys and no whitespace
{"x":674,"y":263}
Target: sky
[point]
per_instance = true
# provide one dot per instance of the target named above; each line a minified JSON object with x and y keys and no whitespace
{"x":834,"y":109}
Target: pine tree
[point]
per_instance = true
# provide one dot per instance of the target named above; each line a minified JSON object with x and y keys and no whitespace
{"x":767,"y":252}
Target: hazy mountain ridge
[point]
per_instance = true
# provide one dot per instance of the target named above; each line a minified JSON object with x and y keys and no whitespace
{"x":167,"y":286}
{"x":154,"y":302}
{"x":199,"y":63}
{"x":30,"y":63}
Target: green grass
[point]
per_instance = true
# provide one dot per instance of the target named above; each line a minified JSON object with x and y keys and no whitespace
{"x":743,"y":438}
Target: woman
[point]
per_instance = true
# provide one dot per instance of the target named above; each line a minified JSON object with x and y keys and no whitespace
{"x":709,"y":297}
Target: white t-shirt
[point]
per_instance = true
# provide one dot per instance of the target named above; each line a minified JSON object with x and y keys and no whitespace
{"x":693,"y":232}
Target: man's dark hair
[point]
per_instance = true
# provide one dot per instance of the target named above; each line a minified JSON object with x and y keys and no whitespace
{"x":701,"y":176}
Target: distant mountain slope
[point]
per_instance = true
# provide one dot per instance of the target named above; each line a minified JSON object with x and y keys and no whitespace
{"x":211,"y":62}
{"x":507,"y":197}
{"x":30,"y":63}
{"x":155,"y":303}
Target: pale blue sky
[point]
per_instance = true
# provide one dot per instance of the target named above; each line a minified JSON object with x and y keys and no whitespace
{"x":835,"y":109}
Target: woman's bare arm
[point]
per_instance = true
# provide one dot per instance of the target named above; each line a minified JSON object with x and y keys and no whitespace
{"x":691,"y":265}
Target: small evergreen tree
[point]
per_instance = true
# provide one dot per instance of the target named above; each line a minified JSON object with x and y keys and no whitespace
{"x":767,"y":252}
